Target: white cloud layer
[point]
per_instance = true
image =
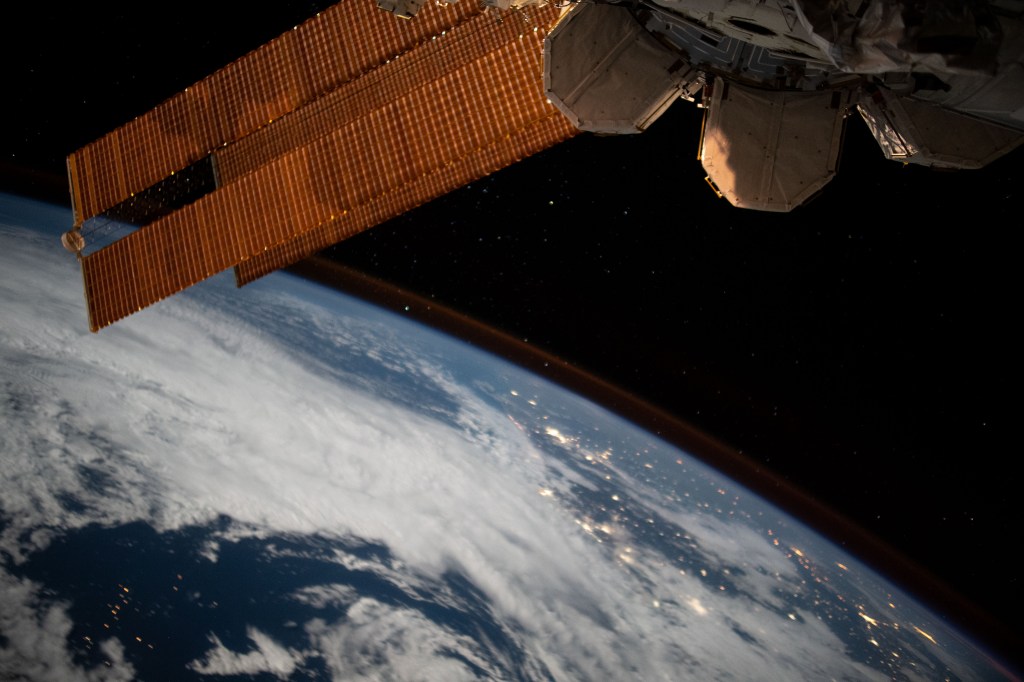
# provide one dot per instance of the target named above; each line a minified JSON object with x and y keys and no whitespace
{"x":36,"y":631}
{"x":267,"y":656}
{"x":379,"y":642}
{"x":186,"y":412}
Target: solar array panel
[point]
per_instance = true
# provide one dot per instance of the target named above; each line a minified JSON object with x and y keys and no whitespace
{"x":338,"y":45}
{"x":530,"y":139}
{"x":348,"y":120}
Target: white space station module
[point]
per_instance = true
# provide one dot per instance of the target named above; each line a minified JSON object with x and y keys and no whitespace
{"x":939,"y":82}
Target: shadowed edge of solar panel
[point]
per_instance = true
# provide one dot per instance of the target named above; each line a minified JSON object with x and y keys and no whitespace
{"x":451,"y":121}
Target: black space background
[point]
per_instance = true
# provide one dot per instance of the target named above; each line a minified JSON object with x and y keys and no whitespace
{"x":861,"y":347}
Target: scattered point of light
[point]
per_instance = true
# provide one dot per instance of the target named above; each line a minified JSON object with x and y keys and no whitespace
{"x":556,"y":434}
{"x":615,"y":497}
{"x":695,"y":604}
{"x":532,"y":402}
{"x":792,"y":616}
{"x":546,"y":492}
{"x":842,"y":566}
{"x":925,"y":635}
{"x":656,"y":604}
{"x":515,"y":393}
{"x":868,"y":618}
{"x":797,"y":551}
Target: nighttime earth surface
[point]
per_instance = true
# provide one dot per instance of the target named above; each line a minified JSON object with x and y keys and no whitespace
{"x":285,"y":482}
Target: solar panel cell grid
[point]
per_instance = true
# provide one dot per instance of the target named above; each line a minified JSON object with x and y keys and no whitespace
{"x":446,"y":112}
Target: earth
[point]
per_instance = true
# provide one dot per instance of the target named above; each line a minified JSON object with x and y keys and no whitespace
{"x":283,"y":482}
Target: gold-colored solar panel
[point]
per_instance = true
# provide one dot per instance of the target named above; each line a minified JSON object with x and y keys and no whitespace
{"x":386,"y":135}
{"x":338,"y":45}
{"x":535,"y":137}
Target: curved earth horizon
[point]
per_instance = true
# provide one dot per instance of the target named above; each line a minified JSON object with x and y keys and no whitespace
{"x":285,"y":482}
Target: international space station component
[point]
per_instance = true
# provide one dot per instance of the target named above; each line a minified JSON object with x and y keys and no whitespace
{"x":350,"y":119}
{"x":357,"y":116}
{"x":939,"y":82}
